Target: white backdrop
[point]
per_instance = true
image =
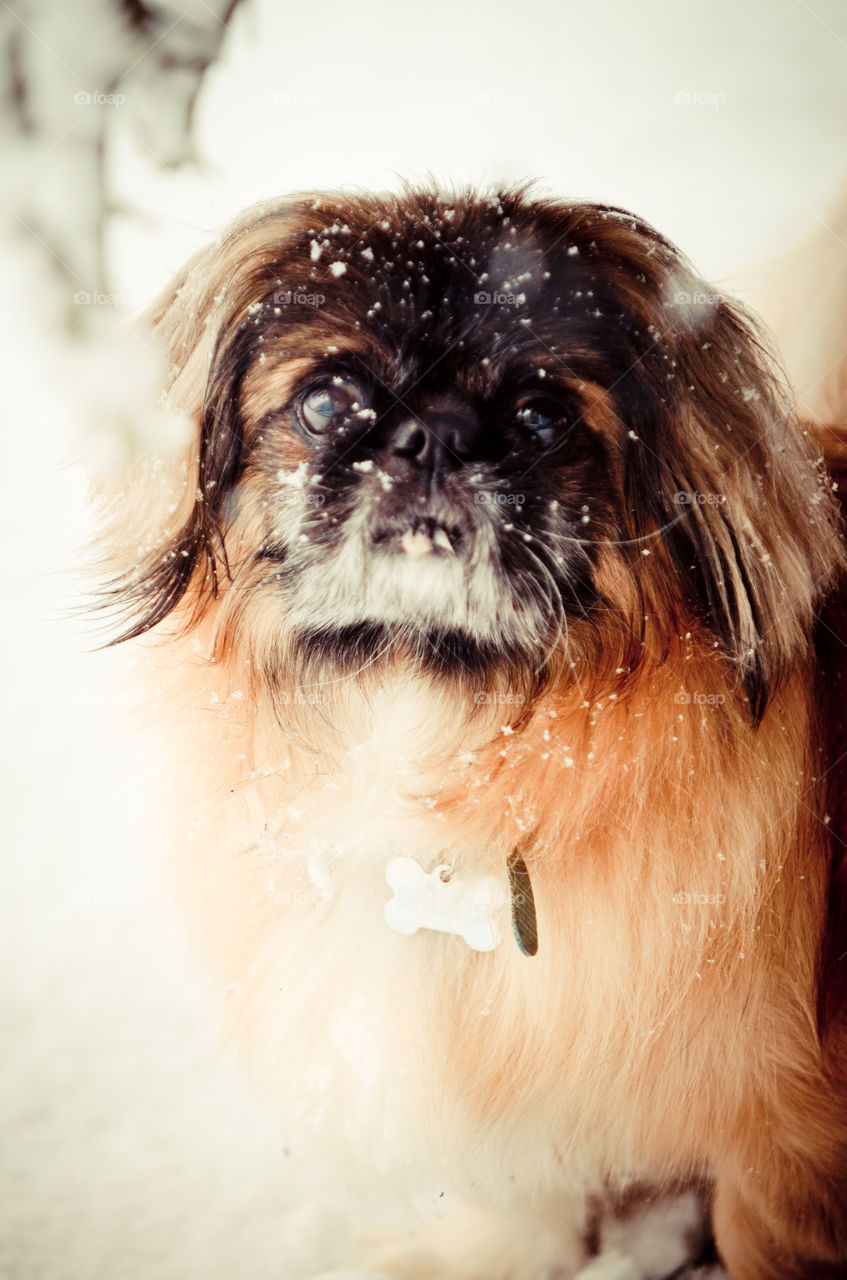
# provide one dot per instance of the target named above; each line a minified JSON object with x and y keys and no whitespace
{"x":589,"y":98}
{"x":132,"y":1148}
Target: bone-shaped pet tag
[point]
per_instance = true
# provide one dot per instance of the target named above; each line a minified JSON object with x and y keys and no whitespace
{"x":447,"y":903}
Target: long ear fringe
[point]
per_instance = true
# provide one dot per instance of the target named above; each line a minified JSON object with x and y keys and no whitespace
{"x":750,"y":526}
{"x":139,"y":601}
{"x":159,"y":534}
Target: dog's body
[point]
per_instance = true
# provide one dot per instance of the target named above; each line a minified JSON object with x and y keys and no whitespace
{"x":503,"y":549}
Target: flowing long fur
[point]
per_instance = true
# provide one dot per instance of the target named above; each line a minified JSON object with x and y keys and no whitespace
{"x":619,"y":682}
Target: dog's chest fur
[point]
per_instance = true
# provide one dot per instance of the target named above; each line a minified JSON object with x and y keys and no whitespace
{"x":417,"y":1052}
{"x":383,"y":1042}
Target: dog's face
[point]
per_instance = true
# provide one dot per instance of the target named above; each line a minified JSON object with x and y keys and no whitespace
{"x":485,"y":435}
{"x":435,"y":471}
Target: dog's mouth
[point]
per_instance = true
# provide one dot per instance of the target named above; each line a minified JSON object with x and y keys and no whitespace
{"x":420,"y":538}
{"x":465,"y":569}
{"x":432,"y":576}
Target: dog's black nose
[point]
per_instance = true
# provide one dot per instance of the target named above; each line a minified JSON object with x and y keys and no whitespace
{"x":442,"y":436}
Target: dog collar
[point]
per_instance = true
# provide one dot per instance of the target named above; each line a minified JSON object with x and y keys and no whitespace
{"x":468,"y":906}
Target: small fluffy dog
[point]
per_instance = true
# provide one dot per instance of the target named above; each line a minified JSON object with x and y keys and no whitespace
{"x":494,"y":618}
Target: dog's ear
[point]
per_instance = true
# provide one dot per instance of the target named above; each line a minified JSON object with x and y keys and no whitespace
{"x":162,"y":540}
{"x":721,"y":466}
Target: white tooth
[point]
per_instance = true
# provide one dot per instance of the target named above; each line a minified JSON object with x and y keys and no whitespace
{"x":417,"y":544}
{"x":441,"y":540}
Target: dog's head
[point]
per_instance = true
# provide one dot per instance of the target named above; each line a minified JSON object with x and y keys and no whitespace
{"x":497,"y":435}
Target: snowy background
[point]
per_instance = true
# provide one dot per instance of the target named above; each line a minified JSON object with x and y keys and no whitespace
{"x":131,"y":1147}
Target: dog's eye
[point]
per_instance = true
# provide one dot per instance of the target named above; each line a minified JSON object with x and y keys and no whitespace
{"x":326,"y":405}
{"x":541,"y":417}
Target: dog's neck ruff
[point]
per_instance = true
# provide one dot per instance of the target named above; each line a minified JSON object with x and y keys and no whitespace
{"x":468,"y":906}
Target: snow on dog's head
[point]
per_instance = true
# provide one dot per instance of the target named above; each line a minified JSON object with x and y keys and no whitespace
{"x":477,"y":434}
